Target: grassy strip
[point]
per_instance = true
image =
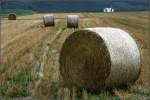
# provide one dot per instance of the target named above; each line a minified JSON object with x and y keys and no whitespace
{"x":18,"y":12}
{"x":130,"y":23}
{"x":17,"y":85}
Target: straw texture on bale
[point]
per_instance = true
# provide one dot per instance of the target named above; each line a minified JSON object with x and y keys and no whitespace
{"x":49,"y":20}
{"x":72,"y":21}
{"x":12,"y":16}
{"x":99,"y":58}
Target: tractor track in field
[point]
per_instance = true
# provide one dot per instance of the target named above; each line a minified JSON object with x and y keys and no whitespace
{"x":40,"y":69}
{"x":46,"y":49}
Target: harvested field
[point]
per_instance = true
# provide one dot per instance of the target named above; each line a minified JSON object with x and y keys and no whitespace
{"x":23,"y":43}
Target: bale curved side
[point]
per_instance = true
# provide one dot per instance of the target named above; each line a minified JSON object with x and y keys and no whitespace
{"x":99,"y":58}
{"x":48,"y":20}
{"x":12,"y":16}
{"x":72,"y":21}
{"x":125,"y":56}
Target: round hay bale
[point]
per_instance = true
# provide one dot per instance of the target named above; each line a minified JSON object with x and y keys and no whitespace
{"x":72,"y":21}
{"x":12,"y":16}
{"x":49,"y":20}
{"x":99,"y":58}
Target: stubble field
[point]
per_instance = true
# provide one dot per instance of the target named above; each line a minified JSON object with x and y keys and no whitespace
{"x":29,"y":55}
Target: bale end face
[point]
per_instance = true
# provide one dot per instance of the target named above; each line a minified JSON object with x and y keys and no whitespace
{"x":85,"y":60}
{"x":72,"y":21}
{"x":12,"y":16}
{"x":48,"y":20}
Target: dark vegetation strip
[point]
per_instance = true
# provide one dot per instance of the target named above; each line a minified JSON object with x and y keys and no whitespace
{"x":4,"y":12}
{"x":130,"y":23}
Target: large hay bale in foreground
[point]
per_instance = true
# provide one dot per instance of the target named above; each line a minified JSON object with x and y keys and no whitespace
{"x":99,"y":58}
{"x":49,"y":20}
{"x":72,"y":21}
{"x":12,"y":16}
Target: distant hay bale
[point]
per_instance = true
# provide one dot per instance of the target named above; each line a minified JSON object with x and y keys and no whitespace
{"x":99,"y":58}
{"x":72,"y":21}
{"x":49,"y":20}
{"x":12,"y":16}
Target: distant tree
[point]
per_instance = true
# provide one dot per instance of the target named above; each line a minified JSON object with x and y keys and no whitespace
{"x":2,"y":3}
